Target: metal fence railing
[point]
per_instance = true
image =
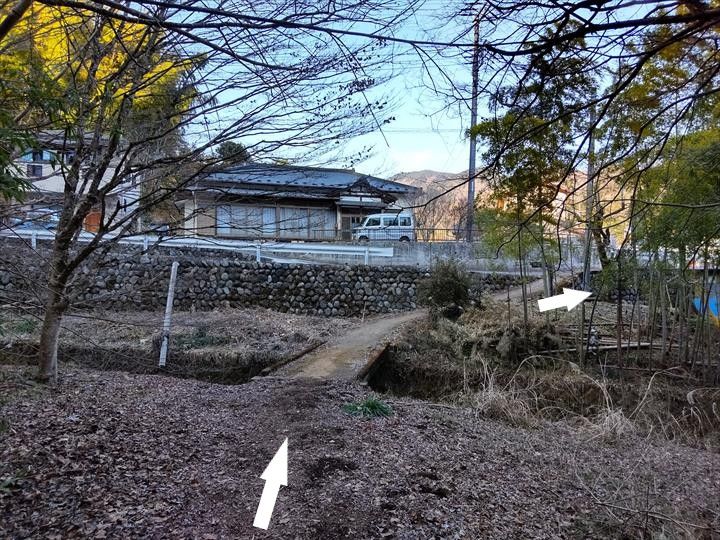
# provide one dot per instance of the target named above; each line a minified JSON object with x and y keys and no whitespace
{"x":385,"y":234}
{"x":258,"y":248}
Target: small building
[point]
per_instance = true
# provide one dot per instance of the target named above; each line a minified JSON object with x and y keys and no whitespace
{"x":285,"y":202}
{"x":46,"y":167}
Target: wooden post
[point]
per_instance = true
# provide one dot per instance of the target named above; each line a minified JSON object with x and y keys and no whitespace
{"x":168,"y":315}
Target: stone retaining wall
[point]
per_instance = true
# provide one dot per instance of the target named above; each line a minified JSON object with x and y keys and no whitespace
{"x":130,"y":279}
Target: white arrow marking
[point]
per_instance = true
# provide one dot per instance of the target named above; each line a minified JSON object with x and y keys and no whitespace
{"x":570,"y":298}
{"x":275,"y":475}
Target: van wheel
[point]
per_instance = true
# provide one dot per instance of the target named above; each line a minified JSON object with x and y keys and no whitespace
{"x":363,"y":239}
{"x":404,"y":239}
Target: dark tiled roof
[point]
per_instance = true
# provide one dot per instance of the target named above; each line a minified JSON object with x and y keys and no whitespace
{"x":309,"y":177}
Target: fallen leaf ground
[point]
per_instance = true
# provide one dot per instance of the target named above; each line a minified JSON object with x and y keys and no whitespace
{"x":115,"y":455}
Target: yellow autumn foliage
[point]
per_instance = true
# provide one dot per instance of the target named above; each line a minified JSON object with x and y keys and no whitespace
{"x":90,"y":58}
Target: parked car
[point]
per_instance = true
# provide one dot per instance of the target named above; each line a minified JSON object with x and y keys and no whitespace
{"x":37,"y":219}
{"x":391,"y":227}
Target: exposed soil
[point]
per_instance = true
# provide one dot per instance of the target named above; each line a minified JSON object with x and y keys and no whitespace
{"x":112,"y":455}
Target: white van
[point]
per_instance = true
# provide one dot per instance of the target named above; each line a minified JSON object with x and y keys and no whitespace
{"x":390,"y":227}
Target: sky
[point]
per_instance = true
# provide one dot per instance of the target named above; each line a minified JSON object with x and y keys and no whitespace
{"x":427,"y":133}
{"x":416,"y":142}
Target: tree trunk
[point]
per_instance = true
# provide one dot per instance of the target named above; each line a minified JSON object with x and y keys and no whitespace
{"x":546,"y":275}
{"x":652,"y":313}
{"x":601,"y":240}
{"x":619,"y":312}
{"x":683,"y":310}
{"x":664,"y":293}
{"x":47,"y":352}
{"x":55,"y":308}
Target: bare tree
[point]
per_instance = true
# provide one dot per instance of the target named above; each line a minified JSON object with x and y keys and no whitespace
{"x":148,"y":92}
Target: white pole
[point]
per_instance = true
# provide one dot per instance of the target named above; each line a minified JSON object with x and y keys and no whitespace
{"x":145,"y":242}
{"x":33,"y":240}
{"x":367,"y":255}
{"x":257,"y":252}
{"x":168,"y":315}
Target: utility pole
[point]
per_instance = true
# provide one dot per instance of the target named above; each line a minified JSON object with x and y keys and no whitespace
{"x":587,"y":250}
{"x":473,"y":122}
{"x":589,"y":202}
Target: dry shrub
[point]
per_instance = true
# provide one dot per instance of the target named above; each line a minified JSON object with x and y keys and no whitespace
{"x":640,"y":504}
{"x":508,"y":403}
{"x":504,"y":405}
{"x":691,"y":417}
{"x":448,"y":284}
{"x":460,"y":361}
{"x":611,"y":425}
{"x":502,"y":335}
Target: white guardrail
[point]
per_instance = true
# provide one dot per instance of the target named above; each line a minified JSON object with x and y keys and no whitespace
{"x":289,"y":248}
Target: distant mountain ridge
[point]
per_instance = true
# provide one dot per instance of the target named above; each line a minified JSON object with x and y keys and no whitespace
{"x":439,"y":210}
{"x":427,"y":177}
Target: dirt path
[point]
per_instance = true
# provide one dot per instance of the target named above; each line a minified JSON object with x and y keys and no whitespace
{"x":348,"y":354}
{"x":516,"y":292}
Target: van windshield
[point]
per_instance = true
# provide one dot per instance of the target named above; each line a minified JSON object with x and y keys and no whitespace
{"x":372,"y":222}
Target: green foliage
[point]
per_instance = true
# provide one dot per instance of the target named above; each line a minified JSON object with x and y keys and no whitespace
{"x":500,"y":234}
{"x":12,"y":142}
{"x":13,"y":481}
{"x":200,"y":338}
{"x":529,"y":143}
{"x":232,"y":152}
{"x":687,"y":176}
{"x":448,"y":284}
{"x":26,"y":326}
{"x":370,"y":407}
{"x":607,"y":279}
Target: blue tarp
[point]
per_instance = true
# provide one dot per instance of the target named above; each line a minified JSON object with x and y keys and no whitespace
{"x":712,"y":305}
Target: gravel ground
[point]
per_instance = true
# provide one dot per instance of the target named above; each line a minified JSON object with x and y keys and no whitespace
{"x":114,"y":455}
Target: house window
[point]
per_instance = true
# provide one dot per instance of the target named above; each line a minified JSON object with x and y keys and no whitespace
{"x":37,"y":155}
{"x":239,"y":220}
{"x":269,"y":225}
{"x":296,"y":221}
{"x":34,"y":171}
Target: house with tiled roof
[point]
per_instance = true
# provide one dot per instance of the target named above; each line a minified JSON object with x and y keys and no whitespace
{"x":286,"y":202}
